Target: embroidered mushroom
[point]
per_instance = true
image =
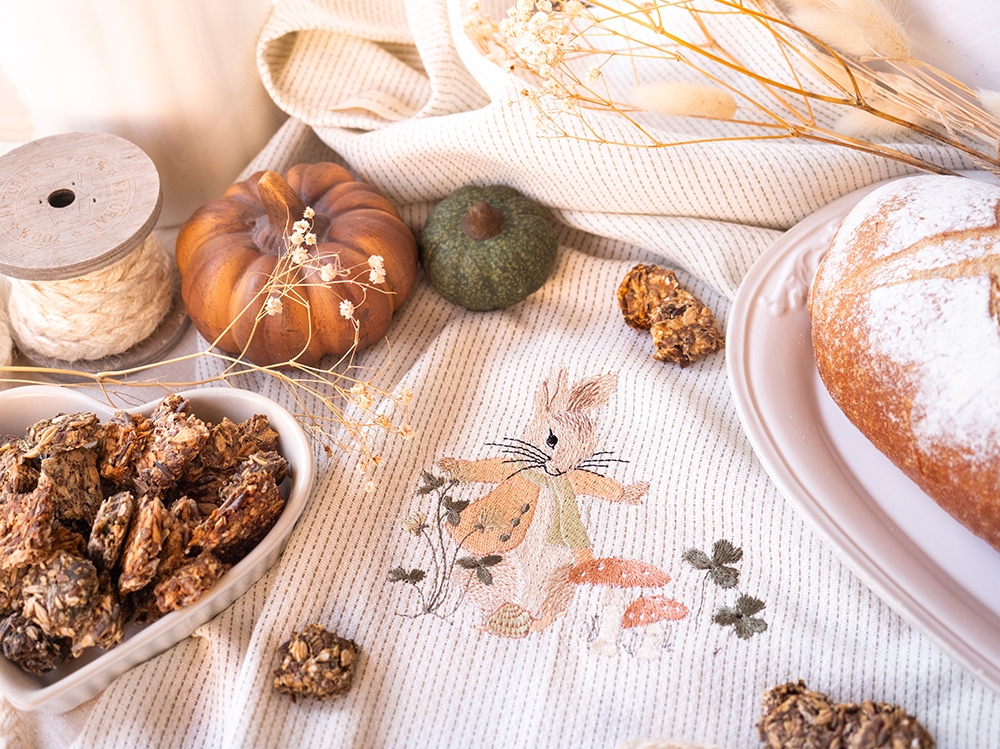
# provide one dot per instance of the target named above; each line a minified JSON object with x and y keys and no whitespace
{"x":648,"y":613}
{"x":614,"y":575}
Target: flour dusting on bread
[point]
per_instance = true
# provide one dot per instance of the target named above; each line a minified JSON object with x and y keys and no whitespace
{"x":953,"y":404}
{"x":905,"y":329}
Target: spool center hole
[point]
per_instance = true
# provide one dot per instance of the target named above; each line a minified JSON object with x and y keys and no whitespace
{"x":61,"y":198}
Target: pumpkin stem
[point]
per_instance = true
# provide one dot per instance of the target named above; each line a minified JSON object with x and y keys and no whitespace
{"x":482,"y":221}
{"x":284,"y":206}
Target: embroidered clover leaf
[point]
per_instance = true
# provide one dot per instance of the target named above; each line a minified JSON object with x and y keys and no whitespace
{"x":453,"y":508}
{"x":723,"y":555}
{"x":431,"y":482}
{"x":741,"y":617}
{"x":400,"y":575}
{"x":481,"y":566}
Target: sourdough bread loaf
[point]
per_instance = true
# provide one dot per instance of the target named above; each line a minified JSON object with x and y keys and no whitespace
{"x":905,"y":312}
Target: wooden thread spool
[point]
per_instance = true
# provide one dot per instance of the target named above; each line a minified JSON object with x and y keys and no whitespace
{"x":89,"y":283}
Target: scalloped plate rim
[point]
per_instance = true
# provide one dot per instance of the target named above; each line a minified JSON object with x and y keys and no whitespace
{"x":797,"y":434}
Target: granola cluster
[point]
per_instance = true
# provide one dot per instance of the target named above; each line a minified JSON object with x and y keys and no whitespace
{"x":315,"y":663}
{"x":683,"y":329}
{"x":106,"y":524}
{"x":794,"y":717}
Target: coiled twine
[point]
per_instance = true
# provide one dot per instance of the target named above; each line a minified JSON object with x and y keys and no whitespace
{"x":99,"y":314}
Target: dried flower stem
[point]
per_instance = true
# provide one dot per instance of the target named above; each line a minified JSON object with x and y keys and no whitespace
{"x":857,"y":59}
{"x":339,"y":405}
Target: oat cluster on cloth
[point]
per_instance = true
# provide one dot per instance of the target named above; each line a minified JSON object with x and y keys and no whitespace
{"x":394,"y":89}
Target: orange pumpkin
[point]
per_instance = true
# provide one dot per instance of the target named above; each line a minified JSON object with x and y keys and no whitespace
{"x":230,"y":248}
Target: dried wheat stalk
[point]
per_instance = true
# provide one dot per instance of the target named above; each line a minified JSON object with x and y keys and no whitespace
{"x":846,"y":56}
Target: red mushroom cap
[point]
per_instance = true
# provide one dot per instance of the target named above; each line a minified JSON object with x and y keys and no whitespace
{"x":651,"y":609}
{"x":622,"y":573}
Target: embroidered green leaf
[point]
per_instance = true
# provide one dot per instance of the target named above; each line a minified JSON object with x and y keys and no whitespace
{"x":454,"y":505}
{"x":453,"y":509}
{"x":697,"y":559}
{"x":480,"y":566}
{"x":725,"y":577}
{"x":431,"y":482}
{"x":750,"y":627}
{"x":748,"y":605}
{"x":434,"y":584}
{"x":400,"y":575}
{"x":396,"y":574}
{"x":741,"y":617}
{"x":717,"y":566}
{"x":723,"y":552}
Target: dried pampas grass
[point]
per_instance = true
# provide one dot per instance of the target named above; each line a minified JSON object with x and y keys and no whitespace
{"x":858,"y":123}
{"x":852,"y":57}
{"x":686,"y":100}
{"x":990,"y":101}
{"x":864,"y":28}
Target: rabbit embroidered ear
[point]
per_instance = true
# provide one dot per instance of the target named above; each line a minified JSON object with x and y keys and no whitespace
{"x":592,"y":393}
{"x":555,"y":396}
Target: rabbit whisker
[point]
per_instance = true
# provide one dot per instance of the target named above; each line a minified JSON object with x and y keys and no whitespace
{"x":528,"y":463}
{"x":524,"y":454}
{"x":587,"y":470}
{"x":522,"y":446}
{"x":598,"y":456}
{"x":601,"y":463}
{"x":525,"y":443}
{"x":525,"y":468}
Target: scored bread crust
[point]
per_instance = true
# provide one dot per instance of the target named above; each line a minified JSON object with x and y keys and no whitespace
{"x":905,"y":314}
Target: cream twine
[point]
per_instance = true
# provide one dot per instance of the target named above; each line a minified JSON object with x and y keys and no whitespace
{"x":96,"y":315}
{"x":12,"y":735}
{"x":6,"y":344}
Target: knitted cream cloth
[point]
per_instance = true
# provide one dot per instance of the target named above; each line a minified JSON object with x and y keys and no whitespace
{"x":397,"y":92}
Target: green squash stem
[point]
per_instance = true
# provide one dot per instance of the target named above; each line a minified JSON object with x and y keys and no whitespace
{"x":483,"y":221}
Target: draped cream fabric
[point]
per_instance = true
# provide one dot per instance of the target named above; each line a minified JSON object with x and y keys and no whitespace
{"x":395,"y":90}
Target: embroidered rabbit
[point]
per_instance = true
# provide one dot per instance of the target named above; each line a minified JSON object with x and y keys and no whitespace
{"x":531,"y":518}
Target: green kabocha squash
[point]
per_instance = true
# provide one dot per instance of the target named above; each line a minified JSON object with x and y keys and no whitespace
{"x":487,"y":248}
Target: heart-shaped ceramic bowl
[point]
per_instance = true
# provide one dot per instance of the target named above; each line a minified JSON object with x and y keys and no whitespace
{"x":77,"y":681}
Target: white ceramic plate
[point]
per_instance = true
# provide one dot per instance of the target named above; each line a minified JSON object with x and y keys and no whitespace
{"x":930,"y":569}
{"x":77,"y":681}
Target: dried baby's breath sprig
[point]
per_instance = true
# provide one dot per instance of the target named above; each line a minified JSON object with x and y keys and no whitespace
{"x":340,"y":404}
{"x":839,"y":72}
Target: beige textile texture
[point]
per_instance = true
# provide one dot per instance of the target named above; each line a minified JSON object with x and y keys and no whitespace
{"x":395,"y":90}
